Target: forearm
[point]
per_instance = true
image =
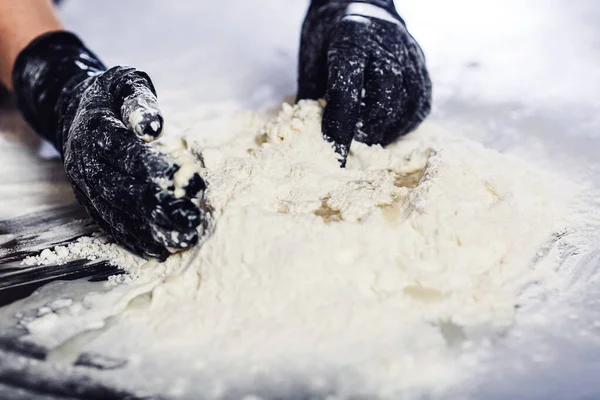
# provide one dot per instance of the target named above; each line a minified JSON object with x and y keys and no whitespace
{"x":21,"y":21}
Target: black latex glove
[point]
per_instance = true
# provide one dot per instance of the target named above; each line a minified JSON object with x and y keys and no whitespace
{"x":359,"y":56}
{"x":101,"y":122}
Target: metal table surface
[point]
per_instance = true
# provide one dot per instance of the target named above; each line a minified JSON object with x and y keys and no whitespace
{"x":520,"y":77}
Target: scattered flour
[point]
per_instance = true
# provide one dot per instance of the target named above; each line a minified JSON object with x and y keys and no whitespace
{"x":102,"y":247}
{"x":382,"y":268}
{"x":98,"y":246}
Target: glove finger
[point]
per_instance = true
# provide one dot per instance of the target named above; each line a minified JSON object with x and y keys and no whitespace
{"x":174,"y":240}
{"x":138,"y":241}
{"x":344,"y":92}
{"x":154,"y":239}
{"x":146,"y":231}
{"x":174,"y":213}
{"x":416,"y":102}
{"x":135,"y":98}
{"x":381,"y":102}
{"x":149,"y":239}
{"x":134,"y":243}
{"x":193,"y":186}
{"x":146,"y":200}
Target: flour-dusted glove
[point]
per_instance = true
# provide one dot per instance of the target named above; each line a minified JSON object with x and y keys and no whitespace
{"x":102,"y":121}
{"x":359,"y":56}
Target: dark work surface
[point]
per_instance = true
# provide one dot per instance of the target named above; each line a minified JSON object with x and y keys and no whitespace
{"x":24,"y":378}
{"x":23,"y":373}
{"x":28,"y":235}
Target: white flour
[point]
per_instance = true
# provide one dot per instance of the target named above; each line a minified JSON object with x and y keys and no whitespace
{"x":90,"y":248}
{"x":383,"y":268}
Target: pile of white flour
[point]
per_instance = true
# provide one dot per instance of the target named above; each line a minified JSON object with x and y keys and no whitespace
{"x":382,"y":269}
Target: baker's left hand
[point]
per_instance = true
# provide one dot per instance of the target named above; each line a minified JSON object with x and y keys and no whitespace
{"x":360,"y":58}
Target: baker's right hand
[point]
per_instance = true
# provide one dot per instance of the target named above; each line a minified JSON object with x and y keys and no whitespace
{"x":102,"y":122}
{"x":359,"y":57}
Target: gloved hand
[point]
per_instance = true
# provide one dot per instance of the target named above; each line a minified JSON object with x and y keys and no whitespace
{"x":101,"y":122}
{"x":359,"y":56}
